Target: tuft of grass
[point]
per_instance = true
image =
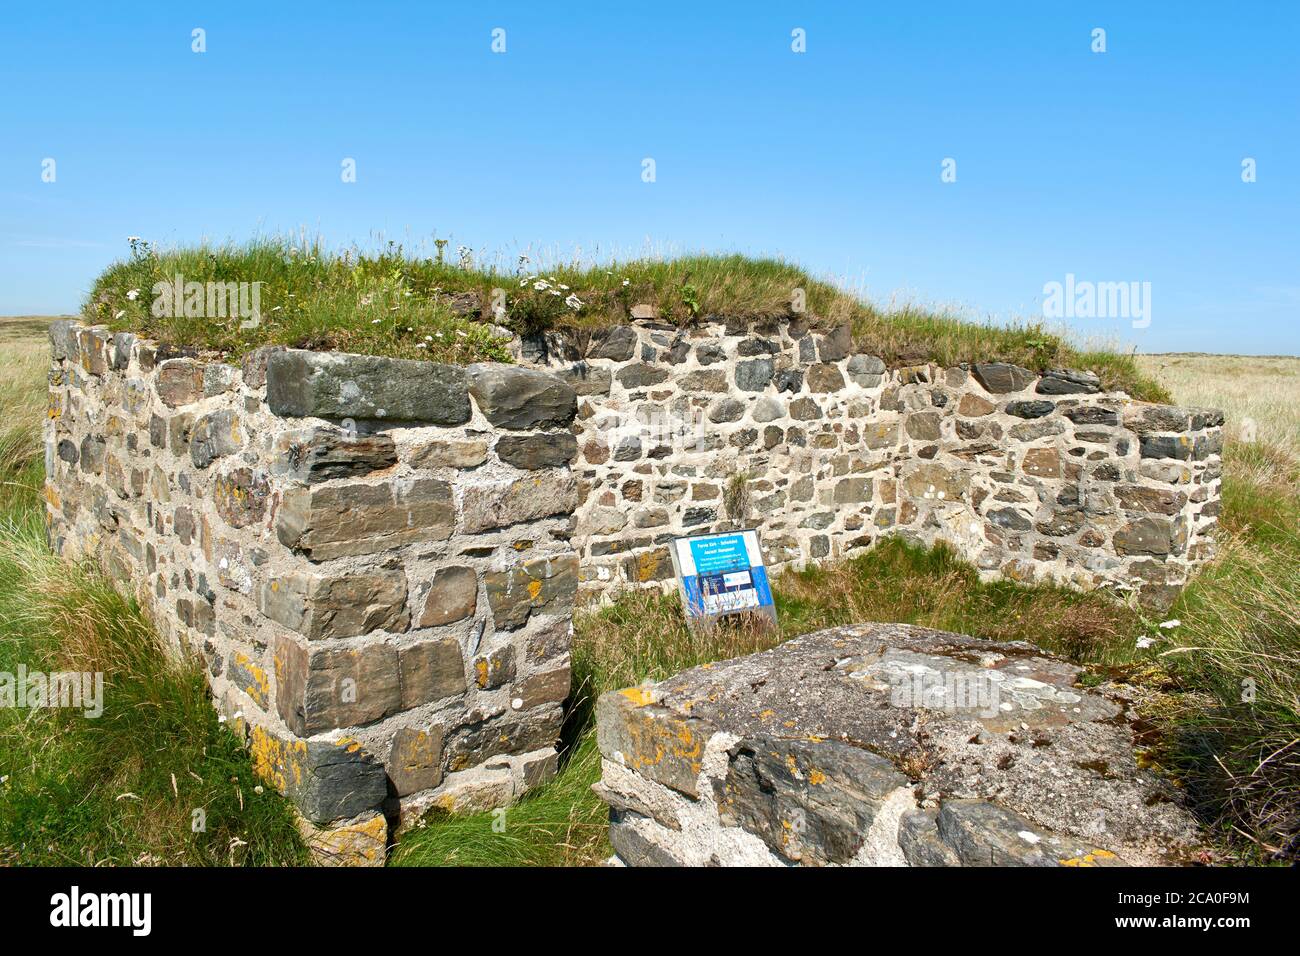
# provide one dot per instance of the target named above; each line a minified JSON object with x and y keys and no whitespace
{"x":388,"y":302}
{"x":155,"y":778}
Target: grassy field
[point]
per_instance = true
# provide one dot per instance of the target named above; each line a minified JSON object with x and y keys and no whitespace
{"x":387,"y":302}
{"x":1222,"y":689}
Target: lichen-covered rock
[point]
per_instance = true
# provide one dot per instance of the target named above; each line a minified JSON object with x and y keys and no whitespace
{"x":327,"y":779}
{"x":336,"y":385}
{"x":883,"y":744}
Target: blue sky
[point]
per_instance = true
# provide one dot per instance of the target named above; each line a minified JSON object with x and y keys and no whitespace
{"x":1123,"y":166}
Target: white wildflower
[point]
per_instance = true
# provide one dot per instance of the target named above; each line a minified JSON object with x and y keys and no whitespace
{"x":120,"y":313}
{"x":1144,"y":642}
{"x":573,"y":302}
{"x":133,"y":294}
{"x":541,"y":285}
{"x":1170,"y":624}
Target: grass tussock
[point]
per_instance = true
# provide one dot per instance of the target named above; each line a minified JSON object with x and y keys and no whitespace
{"x":155,"y":778}
{"x":388,"y":302}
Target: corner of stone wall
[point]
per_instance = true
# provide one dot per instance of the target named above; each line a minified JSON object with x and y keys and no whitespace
{"x":370,"y":556}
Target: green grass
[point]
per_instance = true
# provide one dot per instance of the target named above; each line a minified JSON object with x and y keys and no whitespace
{"x":1233,"y":734}
{"x":154,"y":779}
{"x":387,"y":302}
{"x":121,"y":788}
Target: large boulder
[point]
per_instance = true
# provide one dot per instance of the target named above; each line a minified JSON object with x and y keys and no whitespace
{"x":882,"y":744}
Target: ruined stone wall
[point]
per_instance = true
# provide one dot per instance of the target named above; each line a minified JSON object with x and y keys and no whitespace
{"x":377,"y":558}
{"x":780,"y":427}
{"x":370,"y":556}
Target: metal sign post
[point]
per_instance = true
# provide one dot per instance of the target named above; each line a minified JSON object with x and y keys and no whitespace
{"x":719,"y":575}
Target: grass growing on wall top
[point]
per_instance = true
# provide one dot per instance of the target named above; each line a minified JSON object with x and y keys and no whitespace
{"x":390,"y":303}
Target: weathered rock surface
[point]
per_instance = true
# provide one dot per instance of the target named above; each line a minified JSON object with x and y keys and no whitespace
{"x":338,"y":385}
{"x":882,"y":744}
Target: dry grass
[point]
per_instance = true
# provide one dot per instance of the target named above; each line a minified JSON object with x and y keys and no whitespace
{"x":1265,"y":390}
{"x":26,"y":364}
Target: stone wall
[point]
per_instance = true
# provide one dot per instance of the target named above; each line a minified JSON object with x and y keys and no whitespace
{"x":777,"y":426}
{"x":370,"y":556}
{"x":377,"y":558}
{"x":883,"y":745}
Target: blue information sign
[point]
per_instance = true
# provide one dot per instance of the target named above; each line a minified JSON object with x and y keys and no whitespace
{"x":720,"y":574}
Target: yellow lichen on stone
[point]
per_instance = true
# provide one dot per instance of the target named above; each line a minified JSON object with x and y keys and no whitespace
{"x":258,"y":686}
{"x":361,"y":843}
{"x":638,"y":695}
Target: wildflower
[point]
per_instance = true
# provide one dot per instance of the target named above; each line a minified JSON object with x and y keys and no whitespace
{"x":564,"y":287}
{"x":541,"y":285}
{"x":1170,"y":624}
{"x":428,"y":338}
{"x":627,"y":282}
{"x":375,"y":321}
{"x":133,"y":239}
{"x":133,"y":294}
{"x":573,"y":302}
{"x":120,"y":313}
{"x":1144,"y":642}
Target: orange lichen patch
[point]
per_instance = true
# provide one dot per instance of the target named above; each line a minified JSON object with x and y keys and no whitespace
{"x":251,"y":679}
{"x":278,"y":762}
{"x":481,"y":672}
{"x":534,"y":589}
{"x":353,"y":844}
{"x":1089,"y":859}
{"x":767,"y":714}
{"x":816,"y":777}
{"x":647,"y":566}
{"x":638,"y":695}
{"x":52,"y":497}
{"x":655,"y":739}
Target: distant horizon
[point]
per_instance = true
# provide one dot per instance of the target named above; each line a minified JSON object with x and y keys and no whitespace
{"x":956,"y":159}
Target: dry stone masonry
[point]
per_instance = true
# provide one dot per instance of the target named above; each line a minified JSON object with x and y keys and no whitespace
{"x":779,"y":426}
{"x":371,"y":556}
{"x":882,"y":745}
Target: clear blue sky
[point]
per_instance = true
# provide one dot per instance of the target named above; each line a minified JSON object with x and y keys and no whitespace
{"x":1122,"y":166}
